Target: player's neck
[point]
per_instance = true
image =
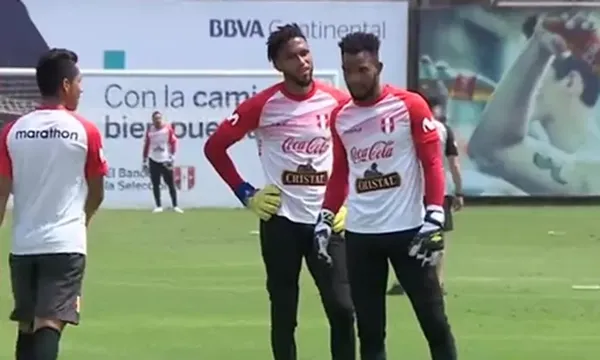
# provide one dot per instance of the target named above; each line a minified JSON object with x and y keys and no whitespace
{"x":51,"y":103}
{"x":373,"y":98}
{"x":294,"y":90}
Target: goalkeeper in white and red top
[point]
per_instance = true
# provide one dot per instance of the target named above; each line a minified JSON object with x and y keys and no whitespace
{"x":291,"y":123}
{"x":387,"y":151}
{"x":158,"y":155}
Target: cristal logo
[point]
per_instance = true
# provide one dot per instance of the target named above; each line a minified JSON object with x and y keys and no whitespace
{"x":315,"y":146}
{"x":378,"y":150}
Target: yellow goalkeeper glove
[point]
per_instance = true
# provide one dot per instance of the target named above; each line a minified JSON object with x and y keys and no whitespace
{"x":265,"y":202}
{"x":339,"y":221}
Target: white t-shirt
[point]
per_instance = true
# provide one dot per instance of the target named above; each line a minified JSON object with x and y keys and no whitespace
{"x":160,"y":144}
{"x":294,"y":144}
{"x":388,"y":153}
{"x":49,"y":153}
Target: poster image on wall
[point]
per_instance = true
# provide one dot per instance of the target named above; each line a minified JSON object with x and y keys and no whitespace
{"x":521,"y":90}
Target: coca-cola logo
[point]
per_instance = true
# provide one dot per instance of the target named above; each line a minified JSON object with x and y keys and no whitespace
{"x":377,"y":151}
{"x":315,"y":146}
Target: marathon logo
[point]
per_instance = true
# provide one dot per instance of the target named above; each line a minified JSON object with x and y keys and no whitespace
{"x":305,"y":175}
{"x":47,"y":134}
{"x":374,"y":180}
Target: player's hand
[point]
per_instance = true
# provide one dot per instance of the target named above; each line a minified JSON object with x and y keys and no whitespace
{"x":264,"y":202}
{"x":323,"y":230}
{"x":145,"y":166}
{"x":339,"y":221}
{"x":458,"y":202}
{"x":428,"y":244}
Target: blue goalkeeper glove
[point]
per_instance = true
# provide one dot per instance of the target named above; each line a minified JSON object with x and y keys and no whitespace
{"x":264,"y":202}
{"x":428,"y":244}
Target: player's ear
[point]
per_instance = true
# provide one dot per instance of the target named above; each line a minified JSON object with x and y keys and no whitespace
{"x":276,"y":66}
{"x":379,"y":67}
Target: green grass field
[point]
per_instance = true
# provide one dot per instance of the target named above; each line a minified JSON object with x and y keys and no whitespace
{"x":191,"y":286}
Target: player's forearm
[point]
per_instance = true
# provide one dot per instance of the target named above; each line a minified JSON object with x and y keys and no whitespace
{"x":430,"y":156}
{"x":92,"y":204}
{"x":456,"y":175}
{"x":504,"y":120}
{"x":335,"y":194}
{"x":3,"y":203}
{"x":215,"y":151}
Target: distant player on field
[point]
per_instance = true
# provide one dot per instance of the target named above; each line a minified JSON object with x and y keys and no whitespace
{"x":291,"y":123}
{"x":387,"y":221}
{"x":454,"y":199}
{"x":52,"y":161}
{"x":160,"y":145}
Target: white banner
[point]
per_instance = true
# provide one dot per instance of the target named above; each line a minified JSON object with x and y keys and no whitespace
{"x":121,"y":104}
{"x":183,"y":34}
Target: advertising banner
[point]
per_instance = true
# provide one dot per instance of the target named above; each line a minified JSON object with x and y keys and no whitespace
{"x":521,"y":88}
{"x":180,"y":34}
{"x":194,"y":103}
{"x":228,"y":37}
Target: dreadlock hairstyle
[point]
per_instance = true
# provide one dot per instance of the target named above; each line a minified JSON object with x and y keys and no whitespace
{"x":280,"y":37}
{"x":357,"y":42}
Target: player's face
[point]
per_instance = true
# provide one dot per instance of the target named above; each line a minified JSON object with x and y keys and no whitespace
{"x":295,"y":62}
{"x":157,"y":120}
{"x":72,"y":91}
{"x":361,"y":73}
{"x":561,"y":112}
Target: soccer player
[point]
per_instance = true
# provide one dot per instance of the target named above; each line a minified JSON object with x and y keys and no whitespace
{"x":160,"y":145}
{"x":51,"y":159}
{"x":454,"y":199}
{"x":291,"y":122}
{"x":387,"y":148}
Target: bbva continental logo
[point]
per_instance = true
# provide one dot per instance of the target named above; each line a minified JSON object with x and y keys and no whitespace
{"x":231,"y":28}
{"x":184,"y":177}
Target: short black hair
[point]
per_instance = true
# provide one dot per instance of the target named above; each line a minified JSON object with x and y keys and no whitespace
{"x":591,"y":84}
{"x":53,"y":67}
{"x":280,"y":37}
{"x":357,"y":42}
{"x":155,"y":113}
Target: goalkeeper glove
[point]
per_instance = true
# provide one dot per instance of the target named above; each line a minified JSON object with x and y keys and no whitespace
{"x":428,"y":244}
{"x":339,"y":221}
{"x":322,"y":235}
{"x":264,"y":202}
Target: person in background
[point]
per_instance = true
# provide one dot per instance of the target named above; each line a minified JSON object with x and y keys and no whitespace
{"x":453,"y":202}
{"x":160,"y":145}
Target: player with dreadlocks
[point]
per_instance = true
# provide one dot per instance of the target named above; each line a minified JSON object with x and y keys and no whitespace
{"x":291,"y":122}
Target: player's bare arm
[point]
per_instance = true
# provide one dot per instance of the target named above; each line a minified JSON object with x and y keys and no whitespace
{"x":5,"y":172}
{"x":503,"y":122}
{"x":96,"y":169}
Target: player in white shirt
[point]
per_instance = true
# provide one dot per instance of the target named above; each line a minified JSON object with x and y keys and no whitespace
{"x":291,"y":122}
{"x":454,"y":199}
{"x":387,"y":152}
{"x":158,"y":155}
{"x":51,"y":159}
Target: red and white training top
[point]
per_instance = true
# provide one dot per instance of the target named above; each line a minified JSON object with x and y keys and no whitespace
{"x":160,"y":143}
{"x":294,"y":145}
{"x":389,"y":152}
{"x":49,"y":153}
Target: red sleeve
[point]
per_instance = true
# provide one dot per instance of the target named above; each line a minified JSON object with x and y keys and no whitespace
{"x":146,"y":148}
{"x":337,"y":186}
{"x":243,"y":120}
{"x":95,"y":163}
{"x":428,"y":148}
{"x":172,"y":140}
{"x":5,"y":161}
